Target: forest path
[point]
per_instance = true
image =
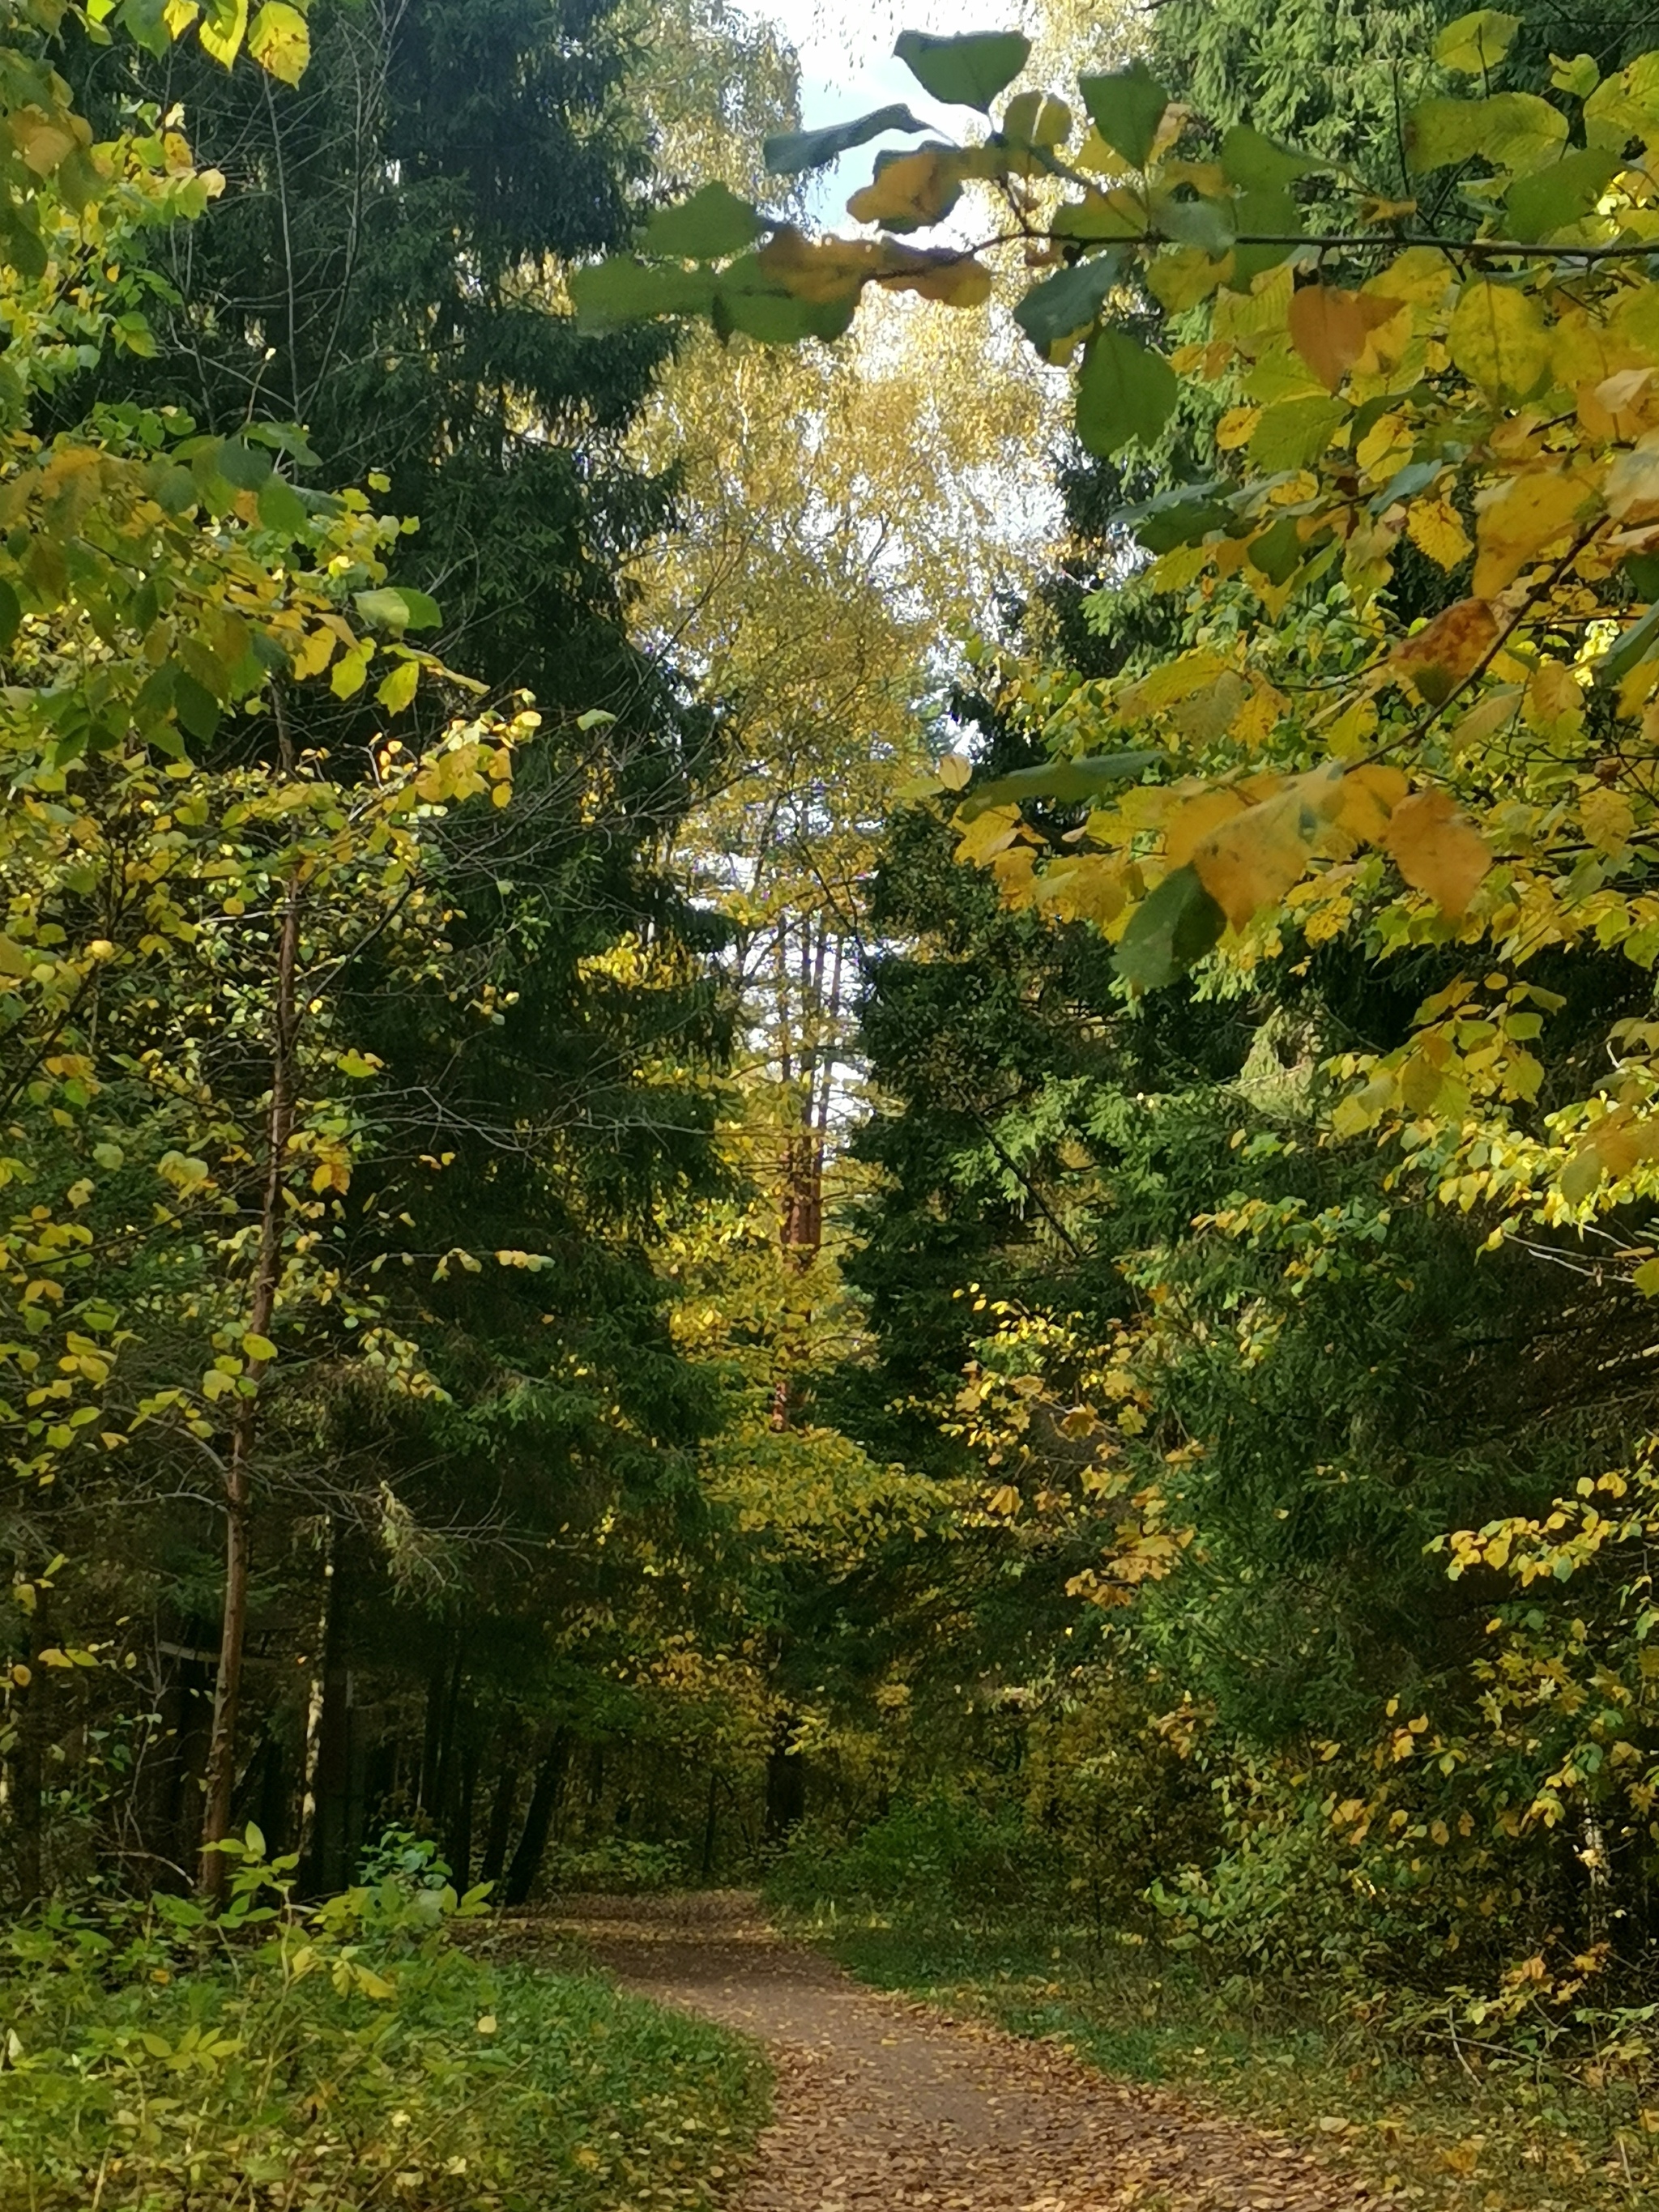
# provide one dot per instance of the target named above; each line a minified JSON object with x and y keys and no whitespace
{"x":882,"y":2101}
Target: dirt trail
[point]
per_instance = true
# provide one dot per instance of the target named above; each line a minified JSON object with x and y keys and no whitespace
{"x":880,"y":2101}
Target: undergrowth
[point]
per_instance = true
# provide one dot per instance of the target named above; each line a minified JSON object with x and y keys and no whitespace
{"x":1462,"y":2129}
{"x":345,"y":2059}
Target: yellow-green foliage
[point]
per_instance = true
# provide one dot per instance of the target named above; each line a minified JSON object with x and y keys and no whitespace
{"x":351,"y":2054}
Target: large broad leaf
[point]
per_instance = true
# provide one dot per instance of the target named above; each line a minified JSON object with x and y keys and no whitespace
{"x":1068,"y":302}
{"x":1475,"y":43}
{"x":794,"y":150}
{"x":1498,"y":337}
{"x":1256,"y":164}
{"x":711,"y":224}
{"x":1173,"y":926}
{"x":1126,"y":108}
{"x":754,"y":299}
{"x":1182,"y":515}
{"x":1512,"y":131}
{"x":965,"y":72}
{"x":1640,"y":642}
{"x":1125,"y":391}
{"x":280,"y":42}
{"x":622,"y":290}
{"x":1068,"y":783}
{"x":398,"y":607}
{"x":1549,"y":200}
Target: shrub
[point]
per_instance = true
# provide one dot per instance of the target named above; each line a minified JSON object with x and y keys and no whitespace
{"x":351,"y":2056}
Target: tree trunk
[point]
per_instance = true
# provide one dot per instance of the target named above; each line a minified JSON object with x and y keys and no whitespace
{"x":221,"y":1776}
{"x":538,"y":1819}
{"x":321,"y":1846}
{"x":786,"y":1786}
{"x":500,"y":1822}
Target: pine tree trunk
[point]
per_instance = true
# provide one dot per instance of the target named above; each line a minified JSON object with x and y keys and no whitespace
{"x":538,"y":1819}
{"x":500,"y":1823}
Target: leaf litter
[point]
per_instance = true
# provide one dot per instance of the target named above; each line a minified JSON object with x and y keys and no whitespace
{"x":883,"y":2101}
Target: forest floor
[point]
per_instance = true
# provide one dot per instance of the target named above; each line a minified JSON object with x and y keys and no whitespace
{"x":880,"y":2100}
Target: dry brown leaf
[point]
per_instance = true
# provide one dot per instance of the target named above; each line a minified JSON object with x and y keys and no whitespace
{"x":1453,"y":646}
{"x":1329,"y":327}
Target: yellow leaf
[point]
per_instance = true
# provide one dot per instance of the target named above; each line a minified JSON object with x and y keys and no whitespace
{"x":255,"y":1347}
{"x":399,"y":687}
{"x":280,"y":42}
{"x":987,"y":835}
{"x":1518,"y":518}
{"x":955,"y":280}
{"x":1436,"y":528}
{"x":1192,"y":823}
{"x":1497,"y":337}
{"x":1251,"y":861}
{"x":1437,"y":850}
{"x":1370,"y":795}
{"x":223,"y":29}
{"x":1646,"y":1278}
{"x":1608,"y":819}
{"x":917,"y":188}
{"x":954,"y":771}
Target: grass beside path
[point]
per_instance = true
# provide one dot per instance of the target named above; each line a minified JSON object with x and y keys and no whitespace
{"x":1451,"y":2136}
{"x":139,"y":2075}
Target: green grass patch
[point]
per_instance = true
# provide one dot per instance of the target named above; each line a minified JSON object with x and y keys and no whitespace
{"x":347,"y":2061}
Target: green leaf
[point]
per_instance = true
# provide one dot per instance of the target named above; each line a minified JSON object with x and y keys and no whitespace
{"x":1638,"y":643}
{"x":242,"y":465}
{"x":282,"y":509}
{"x":1173,"y":926}
{"x":1565,"y":193}
{"x":1643,"y":569}
{"x":968,"y":71}
{"x":144,"y":22}
{"x":794,"y":150}
{"x":1034,"y":118}
{"x":1265,"y":209}
{"x":1068,"y":783}
{"x":1125,"y":391}
{"x":1512,"y":131}
{"x":398,"y":607}
{"x":1293,"y":433}
{"x":11,"y":615}
{"x":1126,"y":108}
{"x":1255,"y":163}
{"x":1182,"y":515}
{"x":1278,"y":552}
{"x":1067,"y":302}
{"x":711,"y":224}
{"x":1477,"y":42}
{"x":196,"y":707}
{"x":611,"y":294}
{"x":1207,"y":224}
